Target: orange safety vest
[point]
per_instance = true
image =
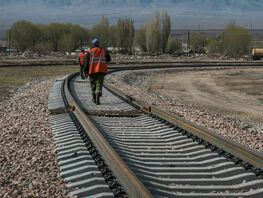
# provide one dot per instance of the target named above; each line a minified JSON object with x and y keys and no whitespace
{"x":81,"y":58}
{"x":97,"y":61}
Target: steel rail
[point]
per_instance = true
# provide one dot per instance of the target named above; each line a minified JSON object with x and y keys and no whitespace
{"x":134,"y":64}
{"x":145,"y":65}
{"x":238,"y":150}
{"x":131,"y":184}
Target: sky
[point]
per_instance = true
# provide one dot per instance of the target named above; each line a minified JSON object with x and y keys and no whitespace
{"x":185,"y":14}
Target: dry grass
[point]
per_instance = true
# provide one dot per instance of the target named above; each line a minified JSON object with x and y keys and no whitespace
{"x":245,"y":81}
{"x":14,"y":77}
{"x":236,"y":93}
{"x":232,"y":114}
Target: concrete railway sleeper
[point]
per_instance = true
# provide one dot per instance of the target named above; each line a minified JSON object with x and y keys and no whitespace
{"x":148,"y":154}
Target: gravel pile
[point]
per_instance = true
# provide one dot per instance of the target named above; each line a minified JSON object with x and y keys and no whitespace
{"x":231,"y":128}
{"x":28,"y":166}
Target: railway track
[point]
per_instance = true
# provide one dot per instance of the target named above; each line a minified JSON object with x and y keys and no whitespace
{"x":127,"y":148}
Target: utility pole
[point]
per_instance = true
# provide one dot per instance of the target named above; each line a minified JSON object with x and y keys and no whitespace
{"x":188,"y":43}
{"x":251,"y":36}
{"x":9,"y":42}
{"x":222,"y":44}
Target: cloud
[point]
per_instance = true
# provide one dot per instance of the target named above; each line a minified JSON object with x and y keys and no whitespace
{"x":88,"y":12}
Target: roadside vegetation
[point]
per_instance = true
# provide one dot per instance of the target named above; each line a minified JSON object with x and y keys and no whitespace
{"x":14,"y":77}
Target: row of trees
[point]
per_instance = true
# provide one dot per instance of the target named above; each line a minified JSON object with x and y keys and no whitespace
{"x":154,"y":37}
{"x":24,"y":35}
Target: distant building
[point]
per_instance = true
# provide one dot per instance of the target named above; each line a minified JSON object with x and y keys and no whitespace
{"x":185,"y":47}
{"x":3,"y":44}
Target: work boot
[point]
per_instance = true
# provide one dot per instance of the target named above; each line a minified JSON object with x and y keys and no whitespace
{"x":94,"y":98}
{"x":97,"y":99}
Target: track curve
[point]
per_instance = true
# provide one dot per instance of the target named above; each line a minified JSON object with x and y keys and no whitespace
{"x":152,"y":153}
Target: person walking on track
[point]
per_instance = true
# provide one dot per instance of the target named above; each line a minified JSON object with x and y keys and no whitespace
{"x":81,"y":57}
{"x":95,"y":67}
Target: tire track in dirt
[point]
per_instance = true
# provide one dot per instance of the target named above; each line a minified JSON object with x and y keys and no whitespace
{"x":205,"y":90}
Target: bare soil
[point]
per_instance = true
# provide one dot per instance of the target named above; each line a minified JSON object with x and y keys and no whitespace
{"x":234,"y":93}
{"x":225,"y":101}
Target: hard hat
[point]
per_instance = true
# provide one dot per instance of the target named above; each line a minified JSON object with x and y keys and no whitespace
{"x":95,"y":42}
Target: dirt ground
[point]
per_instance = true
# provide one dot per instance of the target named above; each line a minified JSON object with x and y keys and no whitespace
{"x":236,"y":93}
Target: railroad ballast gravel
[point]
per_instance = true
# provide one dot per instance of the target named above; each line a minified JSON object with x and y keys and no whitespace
{"x":28,"y":166}
{"x":234,"y":129}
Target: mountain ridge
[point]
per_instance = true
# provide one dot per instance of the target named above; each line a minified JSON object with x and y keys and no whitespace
{"x":239,"y":5}
{"x":185,"y":13}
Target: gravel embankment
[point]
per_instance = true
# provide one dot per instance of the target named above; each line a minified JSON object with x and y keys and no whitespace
{"x":231,"y":128}
{"x":28,"y":166}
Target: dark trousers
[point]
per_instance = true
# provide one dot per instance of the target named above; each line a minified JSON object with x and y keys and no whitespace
{"x":82,"y":72}
{"x":96,"y":82}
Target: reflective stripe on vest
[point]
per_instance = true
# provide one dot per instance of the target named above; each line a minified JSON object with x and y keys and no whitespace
{"x":97,"y":61}
{"x":102,"y":58}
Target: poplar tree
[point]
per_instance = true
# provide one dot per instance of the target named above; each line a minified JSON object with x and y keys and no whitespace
{"x":121,"y":34}
{"x":125,"y":34}
{"x":153,"y":34}
{"x":166,"y":28}
{"x":101,"y":31}
{"x":150,"y":32}
{"x":140,"y":38}
{"x":157,"y":33}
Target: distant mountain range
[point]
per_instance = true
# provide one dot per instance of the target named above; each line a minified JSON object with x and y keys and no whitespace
{"x":218,"y":5}
{"x":186,"y":13}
